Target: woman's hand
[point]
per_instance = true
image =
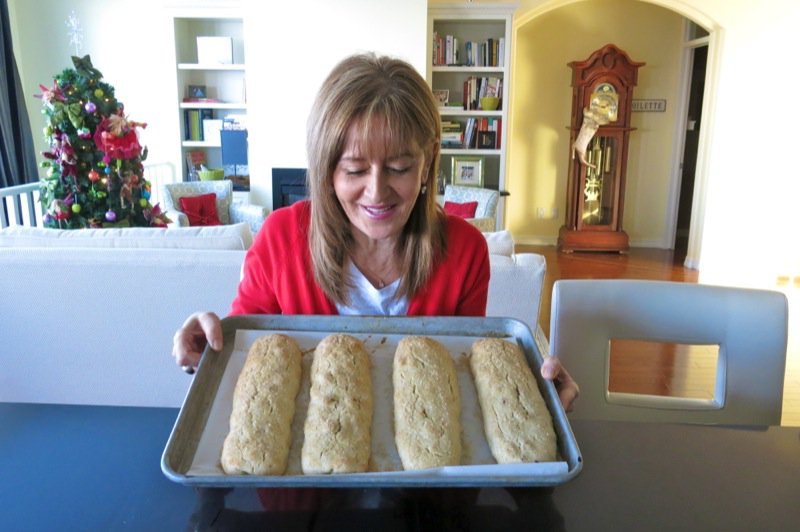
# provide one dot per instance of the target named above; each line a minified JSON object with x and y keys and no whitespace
{"x":200,"y":328}
{"x":566,"y":387}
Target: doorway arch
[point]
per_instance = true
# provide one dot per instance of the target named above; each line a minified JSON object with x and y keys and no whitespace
{"x":532,"y":10}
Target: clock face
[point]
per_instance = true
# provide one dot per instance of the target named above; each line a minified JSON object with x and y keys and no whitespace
{"x":605,"y":102}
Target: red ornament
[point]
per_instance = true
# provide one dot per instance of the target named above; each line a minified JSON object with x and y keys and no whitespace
{"x":93,"y":176}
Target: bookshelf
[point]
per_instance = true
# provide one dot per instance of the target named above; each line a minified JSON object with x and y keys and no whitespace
{"x":466,"y":43}
{"x":210,"y":83}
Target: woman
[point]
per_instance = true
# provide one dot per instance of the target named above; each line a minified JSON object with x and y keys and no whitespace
{"x":372,"y":239}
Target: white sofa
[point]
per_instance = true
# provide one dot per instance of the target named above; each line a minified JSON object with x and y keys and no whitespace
{"x":87,"y":317}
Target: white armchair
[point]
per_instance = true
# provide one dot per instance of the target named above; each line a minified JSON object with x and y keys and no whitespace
{"x":228,"y":211}
{"x":486,"y":213}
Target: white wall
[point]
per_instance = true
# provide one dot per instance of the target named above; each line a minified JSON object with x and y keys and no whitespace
{"x":753,"y":180}
{"x":129,"y":42}
{"x":292,"y":46}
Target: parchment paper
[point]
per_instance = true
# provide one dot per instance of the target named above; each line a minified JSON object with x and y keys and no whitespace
{"x":385,"y":461}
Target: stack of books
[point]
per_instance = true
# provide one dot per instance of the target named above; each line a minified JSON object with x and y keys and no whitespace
{"x":452,"y":134}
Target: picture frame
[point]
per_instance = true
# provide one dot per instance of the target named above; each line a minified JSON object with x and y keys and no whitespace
{"x":466,"y":171}
{"x":196,"y":91}
{"x":442,"y":97}
{"x":487,"y":140}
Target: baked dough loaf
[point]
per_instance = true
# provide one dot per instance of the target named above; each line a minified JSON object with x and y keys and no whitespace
{"x":339,"y":420}
{"x":427,"y":404}
{"x":263,"y":408}
{"x":516,"y":420}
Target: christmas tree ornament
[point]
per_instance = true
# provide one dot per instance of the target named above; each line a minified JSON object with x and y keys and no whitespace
{"x":90,"y":107}
{"x":111,"y":216}
{"x":75,"y":32}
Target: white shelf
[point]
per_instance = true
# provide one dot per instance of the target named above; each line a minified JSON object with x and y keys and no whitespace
{"x":457,"y":111}
{"x":220,"y":105}
{"x":210,"y":66}
{"x":200,"y":144}
{"x":462,"y":151}
{"x":458,"y":69}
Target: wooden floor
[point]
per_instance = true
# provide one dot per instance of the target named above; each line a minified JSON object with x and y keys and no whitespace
{"x":639,"y":263}
{"x":658,"y":378}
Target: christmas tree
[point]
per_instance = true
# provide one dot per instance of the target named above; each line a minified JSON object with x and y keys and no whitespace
{"x":94,"y":176}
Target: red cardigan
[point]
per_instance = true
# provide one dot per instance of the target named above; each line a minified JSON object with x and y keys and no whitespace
{"x":278,"y":277}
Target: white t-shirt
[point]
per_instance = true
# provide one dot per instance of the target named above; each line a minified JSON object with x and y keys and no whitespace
{"x":366,"y":300}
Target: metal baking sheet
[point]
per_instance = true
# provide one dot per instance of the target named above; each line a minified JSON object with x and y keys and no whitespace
{"x":205,"y":403}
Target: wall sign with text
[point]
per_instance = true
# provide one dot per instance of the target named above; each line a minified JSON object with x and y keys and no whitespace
{"x":649,"y":106}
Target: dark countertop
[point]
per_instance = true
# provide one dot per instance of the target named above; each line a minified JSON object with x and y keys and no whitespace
{"x":98,"y":468}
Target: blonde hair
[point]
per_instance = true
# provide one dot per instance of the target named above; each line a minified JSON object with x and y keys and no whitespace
{"x":388,"y":101}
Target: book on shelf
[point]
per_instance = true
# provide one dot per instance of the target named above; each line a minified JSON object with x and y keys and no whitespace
{"x":445,"y":50}
{"x":488,"y":53}
{"x":193,"y":123}
{"x":195,"y":160}
{"x":476,"y":87}
{"x":476,"y":125}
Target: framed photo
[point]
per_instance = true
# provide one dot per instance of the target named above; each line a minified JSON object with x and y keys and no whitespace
{"x":197,"y":91}
{"x":467,"y":171}
{"x":442,"y":97}
{"x":487,"y":140}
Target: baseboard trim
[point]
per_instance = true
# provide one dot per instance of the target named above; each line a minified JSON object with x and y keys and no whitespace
{"x":536,"y":240}
{"x":530,"y":240}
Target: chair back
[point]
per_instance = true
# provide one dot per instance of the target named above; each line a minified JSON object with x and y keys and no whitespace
{"x":223,"y":188}
{"x":749,"y":326}
{"x":487,"y":199}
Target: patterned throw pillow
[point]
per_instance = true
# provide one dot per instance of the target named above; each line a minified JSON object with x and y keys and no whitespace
{"x":201,"y":210}
{"x":464,"y":210}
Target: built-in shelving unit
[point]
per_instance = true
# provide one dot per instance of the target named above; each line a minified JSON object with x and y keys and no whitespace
{"x":224,"y":94}
{"x":460,"y":40}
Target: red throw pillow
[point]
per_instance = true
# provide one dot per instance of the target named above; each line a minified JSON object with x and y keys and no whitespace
{"x":201,"y":210}
{"x":464,"y":210}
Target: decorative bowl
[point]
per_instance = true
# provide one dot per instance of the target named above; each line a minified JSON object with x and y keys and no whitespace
{"x":212,"y":174}
{"x":490,"y":103}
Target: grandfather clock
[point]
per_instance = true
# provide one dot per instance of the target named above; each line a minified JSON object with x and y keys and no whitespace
{"x":602,"y":90}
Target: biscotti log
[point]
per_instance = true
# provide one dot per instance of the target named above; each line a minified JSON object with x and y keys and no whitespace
{"x":427,"y":404}
{"x":339,"y":419}
{"x":516,"y":421}
{"x":263,"y":408}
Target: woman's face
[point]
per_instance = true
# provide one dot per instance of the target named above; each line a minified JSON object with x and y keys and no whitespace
{"x":378,"y":190}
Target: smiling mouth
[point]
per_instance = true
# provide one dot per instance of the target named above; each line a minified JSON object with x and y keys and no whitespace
{"x":378,"y":212}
